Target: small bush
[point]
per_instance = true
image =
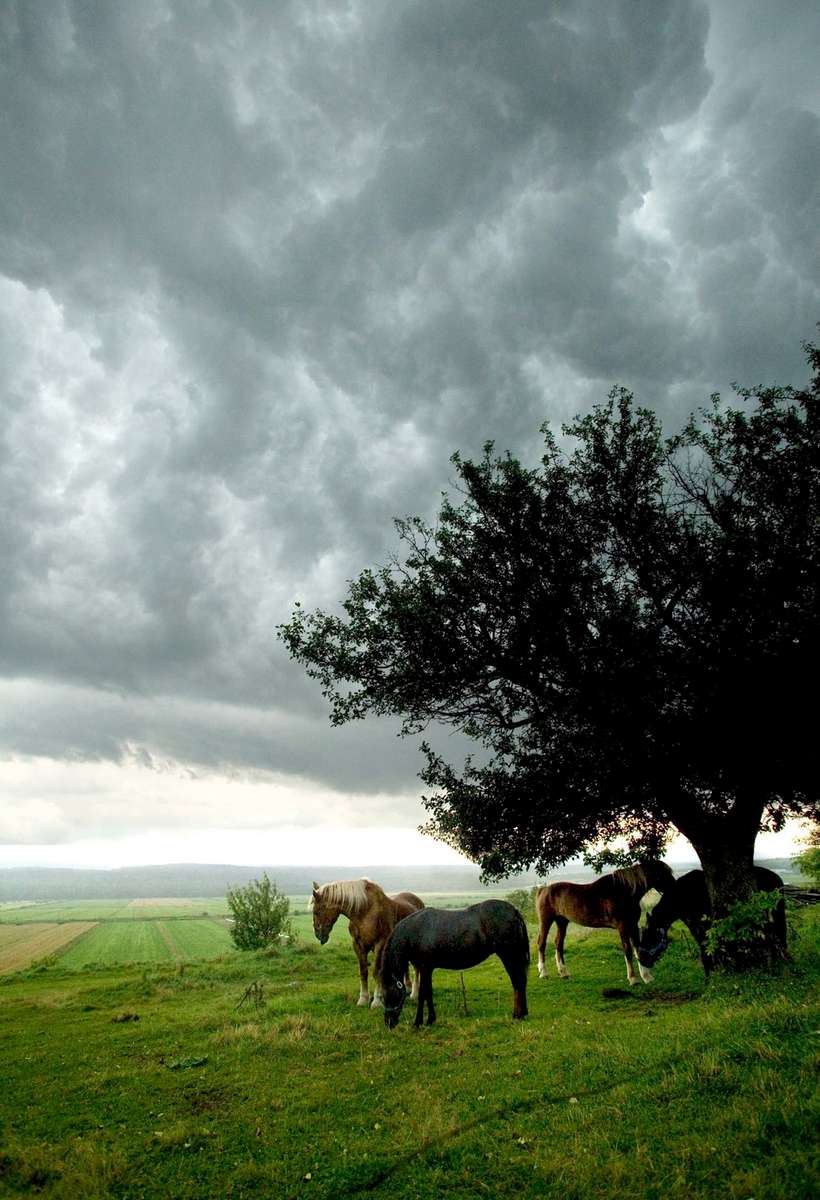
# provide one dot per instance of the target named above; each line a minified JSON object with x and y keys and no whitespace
{"x":524,"y":900}
{"x":744,"y":929}
{"x":260,"y":915}
{"x":808,"y":864}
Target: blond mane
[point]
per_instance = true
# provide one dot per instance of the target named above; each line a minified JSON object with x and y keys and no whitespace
{"x":350,"y":895}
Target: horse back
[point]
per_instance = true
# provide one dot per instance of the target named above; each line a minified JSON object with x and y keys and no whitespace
{"x":590,"y":904}
{"x":688,"y":900}
{"x":406,"y":903}
{"x":459,"y":938}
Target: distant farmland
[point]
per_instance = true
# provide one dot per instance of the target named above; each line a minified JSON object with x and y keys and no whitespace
{"x":108,"y":932}
{"x":20,"y":945}
{"x":79,"y":933}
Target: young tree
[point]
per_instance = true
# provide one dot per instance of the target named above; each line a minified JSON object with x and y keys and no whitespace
{"x":260,"y":914}
{"x":628,"y":632}
{"x":808,"y":860}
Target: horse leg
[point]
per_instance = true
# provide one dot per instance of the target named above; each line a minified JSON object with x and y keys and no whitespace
{"x":560,"y":936}
{"x":361,"y":955}
{"x":431,"y":1012}
{"x":378,"y":989}
{"x":413,"y":988}
{"x":626,"y":943}
{"x":423,"y":978}
{"x":634,"y":935}
{"x":517,"y":972}
{"x":545,"y":919}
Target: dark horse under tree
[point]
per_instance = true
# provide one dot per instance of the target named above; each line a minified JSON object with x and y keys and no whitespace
{"x":454,"y":939}
{"x":613,"y":901}
{"x":688,"y":901}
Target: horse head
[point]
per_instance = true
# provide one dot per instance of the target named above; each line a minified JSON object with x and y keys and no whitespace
{"x":395,"y":994}
{"x":325,"y":914}
{"x":653,"y":942}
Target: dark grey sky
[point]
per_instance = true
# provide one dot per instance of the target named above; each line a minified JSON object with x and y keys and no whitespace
{"x":264,"y":266}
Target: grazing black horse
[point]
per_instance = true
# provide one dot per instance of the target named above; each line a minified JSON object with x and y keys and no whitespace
{"x":687,"y":900}
{"x":454,"y":939}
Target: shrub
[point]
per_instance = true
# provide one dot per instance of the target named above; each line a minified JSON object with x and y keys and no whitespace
{"x":747,"y":925}
{"x":524,"y":900}
{"x":260,"y":915}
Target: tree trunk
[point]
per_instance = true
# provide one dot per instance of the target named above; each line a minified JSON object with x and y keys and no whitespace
{"x":746,"y":941}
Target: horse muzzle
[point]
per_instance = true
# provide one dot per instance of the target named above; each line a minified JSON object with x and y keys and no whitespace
{"x":649,"y":955}
{"x":322,"y":935}
{"x":391,"y":1017}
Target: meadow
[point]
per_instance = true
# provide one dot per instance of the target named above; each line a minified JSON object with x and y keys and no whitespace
{"x":255,"y":1075}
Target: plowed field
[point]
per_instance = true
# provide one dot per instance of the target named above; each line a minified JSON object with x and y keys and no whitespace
{"x":21,"y":945}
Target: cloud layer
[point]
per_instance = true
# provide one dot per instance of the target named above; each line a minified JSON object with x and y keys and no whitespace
{"x":264,"y":267}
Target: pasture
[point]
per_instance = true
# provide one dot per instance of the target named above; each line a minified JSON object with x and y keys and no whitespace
{"x":254,"y":1075}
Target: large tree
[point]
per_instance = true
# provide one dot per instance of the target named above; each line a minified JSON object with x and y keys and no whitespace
{"x":629,"y":632}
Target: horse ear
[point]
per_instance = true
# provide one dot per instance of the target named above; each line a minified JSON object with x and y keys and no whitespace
{"x":315,"y":888}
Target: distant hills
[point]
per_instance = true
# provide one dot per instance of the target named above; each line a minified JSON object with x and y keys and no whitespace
{"x":195,"y":880}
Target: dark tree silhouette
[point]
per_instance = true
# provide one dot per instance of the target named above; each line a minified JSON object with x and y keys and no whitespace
{"x":629,"y":631}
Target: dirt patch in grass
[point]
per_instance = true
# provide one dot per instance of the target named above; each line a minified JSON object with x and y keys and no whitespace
{"x":643,"y":997}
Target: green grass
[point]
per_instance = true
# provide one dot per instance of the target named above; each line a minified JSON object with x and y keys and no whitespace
{"x":136,"y":941}
{"x":673,"y":1091}
{"x":112,"y":910}
{"x":198,"y":939}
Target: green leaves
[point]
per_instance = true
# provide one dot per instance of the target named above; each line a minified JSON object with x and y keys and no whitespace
{"x":260,"y":914}
{"x":626,"y":631}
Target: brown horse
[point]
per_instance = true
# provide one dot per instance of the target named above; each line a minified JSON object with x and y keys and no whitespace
{"x":612,"y":901}
{"x":372,"y":917}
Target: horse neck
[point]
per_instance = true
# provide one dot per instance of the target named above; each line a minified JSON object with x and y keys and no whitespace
{"x":396,"y":959}
{"x":665,"y":911}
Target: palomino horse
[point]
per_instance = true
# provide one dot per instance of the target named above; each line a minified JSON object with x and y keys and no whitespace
{"x":688,"y":901}
{"x":454,"y":939}
{"x":612,"y":901}
{"x":372,"y":916}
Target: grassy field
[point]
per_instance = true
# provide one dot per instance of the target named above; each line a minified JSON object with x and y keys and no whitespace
{"x":139,"y":931}
{"x":113,"y":910}
{"x":174,"y":1080}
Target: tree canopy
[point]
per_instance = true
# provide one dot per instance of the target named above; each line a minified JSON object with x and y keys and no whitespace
{"x":628,"y":631}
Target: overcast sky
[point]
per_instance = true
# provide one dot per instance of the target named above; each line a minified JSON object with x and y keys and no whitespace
{"x":263,"y":268}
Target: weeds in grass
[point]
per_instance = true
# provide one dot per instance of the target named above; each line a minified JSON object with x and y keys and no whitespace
{"x":79,"y":1168}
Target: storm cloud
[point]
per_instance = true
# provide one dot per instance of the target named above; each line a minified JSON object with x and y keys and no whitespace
{"x":264,"y":267}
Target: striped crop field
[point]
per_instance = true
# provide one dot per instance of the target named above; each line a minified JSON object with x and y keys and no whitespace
{"x":197,"y":939}
{"x":114,"y":910}
{"x":119,"y":942}
{"x":173,"y":908}
{"x":21,"y":945}
{"x":65,"y":910}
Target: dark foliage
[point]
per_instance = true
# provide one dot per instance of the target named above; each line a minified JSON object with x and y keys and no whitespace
{"x":628,"y":631}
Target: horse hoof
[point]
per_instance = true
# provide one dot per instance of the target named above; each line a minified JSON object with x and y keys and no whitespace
{"x":362,"y":1002}
{"x":377,"y":1002}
